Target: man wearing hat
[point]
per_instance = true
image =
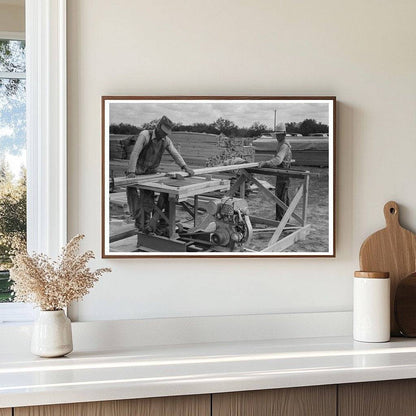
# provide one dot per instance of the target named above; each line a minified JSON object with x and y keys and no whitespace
{"x":283,"y":159}
{"x":149,"y":148}
{"x":144,"y":160}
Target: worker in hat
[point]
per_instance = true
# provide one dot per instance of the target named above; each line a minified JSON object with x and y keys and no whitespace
{"x":282,"y":159}
{"x":149,"y":148}
{"x":144,"y":160}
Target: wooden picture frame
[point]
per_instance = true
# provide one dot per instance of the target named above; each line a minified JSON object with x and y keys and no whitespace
{"x":244,"y":199}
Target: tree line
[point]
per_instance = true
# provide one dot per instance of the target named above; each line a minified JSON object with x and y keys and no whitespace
{"x":12,"y":223}
{"x":229,"y":128}
{"x":12,"y":213}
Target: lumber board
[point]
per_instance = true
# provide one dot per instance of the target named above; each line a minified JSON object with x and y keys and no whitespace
{"x":194,"y":182}
{"x":181,"y":180}
{"x":287,"y":215}
{"x":185,"y":191}
{"x":160,"y":244}
{"x":273,"y":229}
{"x":273,"y":198}
{"x":196,"y":206}
{"x":228,"y":168}
{"x":225,"y":186}
{"x":123,"y":235}
{"x":123,"y":181}
{"x":127,"y":245}
{"x":305,"y":199}
{"x":266,"y":221}
{"x":158,"y":187}
{"x":289,"y":240}
{"x":291,"y":172}
{"x":204,"y":198}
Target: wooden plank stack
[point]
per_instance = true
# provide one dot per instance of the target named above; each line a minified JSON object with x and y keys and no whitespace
{"x":203,"y":149}
{"x":121,"y":146}
{"x":307,"y":151}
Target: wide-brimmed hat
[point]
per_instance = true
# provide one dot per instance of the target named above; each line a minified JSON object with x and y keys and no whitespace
{"x":166,"y":125}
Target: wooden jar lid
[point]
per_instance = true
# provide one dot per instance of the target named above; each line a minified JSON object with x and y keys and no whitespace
{"x":372,"y":275}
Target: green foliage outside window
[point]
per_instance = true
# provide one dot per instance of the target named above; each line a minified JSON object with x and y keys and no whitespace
{"x":12,"y":223}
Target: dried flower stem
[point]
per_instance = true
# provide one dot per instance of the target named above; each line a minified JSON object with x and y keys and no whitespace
{"x":53,"y":285}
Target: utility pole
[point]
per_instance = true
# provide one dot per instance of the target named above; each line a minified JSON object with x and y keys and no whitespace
{"x":274,"y":124}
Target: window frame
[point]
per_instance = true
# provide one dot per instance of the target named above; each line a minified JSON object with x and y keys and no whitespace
{"x":12,"y":35}
{"x":46,"y":127}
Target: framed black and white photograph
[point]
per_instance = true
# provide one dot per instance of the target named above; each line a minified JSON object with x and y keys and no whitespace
{"x":218,"y":177}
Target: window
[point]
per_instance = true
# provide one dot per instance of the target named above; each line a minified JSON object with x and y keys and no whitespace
{"x":45,"y":89}
{"x":12,"y":153}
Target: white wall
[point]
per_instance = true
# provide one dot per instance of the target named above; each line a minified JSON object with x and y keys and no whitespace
{"x":361,"y":51}
{"x":12,"y":18}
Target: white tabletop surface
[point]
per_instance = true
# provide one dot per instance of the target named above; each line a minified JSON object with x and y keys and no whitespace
{"x":199,"y":368}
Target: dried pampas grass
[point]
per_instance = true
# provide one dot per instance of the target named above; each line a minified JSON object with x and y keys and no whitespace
{"x":53,"y":285}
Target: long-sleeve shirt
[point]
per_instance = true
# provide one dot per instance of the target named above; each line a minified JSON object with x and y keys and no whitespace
{"x":155,"y":156}
{"x":282,"y":158}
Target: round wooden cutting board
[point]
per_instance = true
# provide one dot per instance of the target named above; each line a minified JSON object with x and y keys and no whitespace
{"x":393,"y":250}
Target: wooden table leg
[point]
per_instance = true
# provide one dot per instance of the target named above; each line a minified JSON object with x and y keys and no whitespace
{"x":172,"y":217}
{"x":195,"y":209}
{"x":142,"y":213}
{"x":305,"y":200}
{"x":243,"y":190}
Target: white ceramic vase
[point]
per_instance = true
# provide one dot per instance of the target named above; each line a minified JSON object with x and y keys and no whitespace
{"x":52,"y":334}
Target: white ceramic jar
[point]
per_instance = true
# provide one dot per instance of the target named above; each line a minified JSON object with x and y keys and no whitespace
{"x":371,"y":305}
{"x":52,"y":334}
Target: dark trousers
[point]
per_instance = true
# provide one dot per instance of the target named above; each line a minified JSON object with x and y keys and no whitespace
{"x":134,"y":203}
{"x":136,"y":198}
{"x":282,"y":192}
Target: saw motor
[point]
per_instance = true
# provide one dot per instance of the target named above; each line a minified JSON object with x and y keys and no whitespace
{"x":232,"y":223}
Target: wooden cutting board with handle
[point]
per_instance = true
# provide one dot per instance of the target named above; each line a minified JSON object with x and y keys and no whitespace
{"x":393,"y":250}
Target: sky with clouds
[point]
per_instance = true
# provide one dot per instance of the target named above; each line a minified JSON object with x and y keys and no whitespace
{"x":244,"y":114}
{"x":13,"y":109}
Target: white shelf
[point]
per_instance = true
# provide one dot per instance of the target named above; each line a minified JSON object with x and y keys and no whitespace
{"x":150,"y":371}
